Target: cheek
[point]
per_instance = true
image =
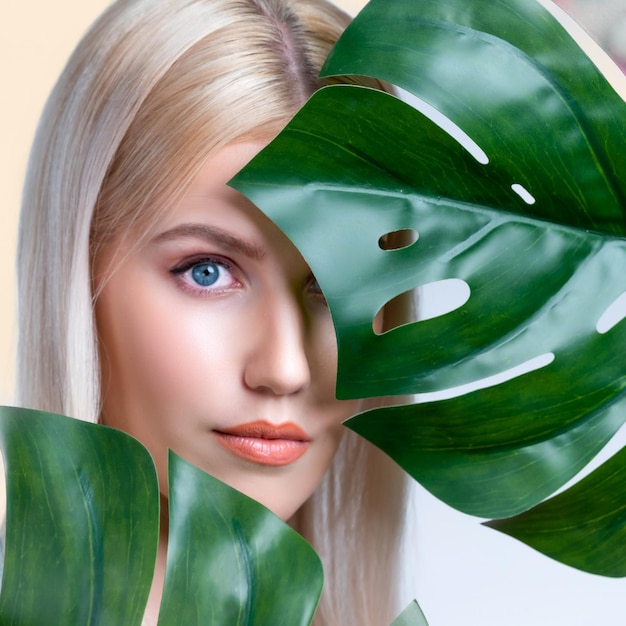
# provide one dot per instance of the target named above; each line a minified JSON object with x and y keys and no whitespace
{"x":164,"y":370}
{"x":172,"y":367}
{"x":322,"y":356}
{"x":323,"y":359}
{"x":325,"y":375}
{"x":140,"y":351}
{"x":158,"y":358}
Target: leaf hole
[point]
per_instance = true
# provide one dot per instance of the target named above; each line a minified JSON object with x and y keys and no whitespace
{"x":613,"y":315}
{"x":425,"y":302}
{"x":445,"y":123}
{"x":523,"y":193}
{"x":536,"y":363}
{"x":441,"y":297}
{"x":398,"y":239}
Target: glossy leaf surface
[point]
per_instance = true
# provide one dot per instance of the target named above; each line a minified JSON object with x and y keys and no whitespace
{"x":534,"y":230}
{"x":561,"y":527}
{"x":512,"y":78}
{"x":231,"y":560}
{"x":82,"y":522}
{"x":82,"y":530}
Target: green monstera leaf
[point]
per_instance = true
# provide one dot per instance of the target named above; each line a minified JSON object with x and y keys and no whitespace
{"x":82,"y":530}
{"x":517,"y":208}
{"x":76,"y":496}
{"x":231,"y":560}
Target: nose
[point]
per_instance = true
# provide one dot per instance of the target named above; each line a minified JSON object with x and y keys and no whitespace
{"x":277,"y":362}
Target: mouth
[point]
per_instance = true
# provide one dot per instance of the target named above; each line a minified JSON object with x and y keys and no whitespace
{"x":265,"y":443}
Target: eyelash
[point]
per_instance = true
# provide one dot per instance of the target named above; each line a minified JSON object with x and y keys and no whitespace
{"x":189,"y":284}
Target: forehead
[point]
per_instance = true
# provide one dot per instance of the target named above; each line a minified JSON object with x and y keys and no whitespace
{"x":212,"y":215}
{"x":209,"y":196}
{"x":156,"y":209}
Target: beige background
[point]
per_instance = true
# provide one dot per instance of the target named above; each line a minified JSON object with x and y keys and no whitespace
{"x":36,"y":37}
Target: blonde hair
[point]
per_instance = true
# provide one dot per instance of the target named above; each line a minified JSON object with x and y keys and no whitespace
{"x":153,"y":90}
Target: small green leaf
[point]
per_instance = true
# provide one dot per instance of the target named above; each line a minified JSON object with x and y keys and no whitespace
{"x":585,"y":526}
{"x":411,"y":616}
{"x":232,"y":561}
{"x":82,"y":522}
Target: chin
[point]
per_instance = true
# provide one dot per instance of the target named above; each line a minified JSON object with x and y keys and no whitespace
{"x":280,"y":508}
{"x":272,"y":494}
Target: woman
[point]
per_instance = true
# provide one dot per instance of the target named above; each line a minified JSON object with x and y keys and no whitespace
{"x":171,"y":307}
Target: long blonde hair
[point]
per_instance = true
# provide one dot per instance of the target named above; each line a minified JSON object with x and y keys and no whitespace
{"x":153,"y":90}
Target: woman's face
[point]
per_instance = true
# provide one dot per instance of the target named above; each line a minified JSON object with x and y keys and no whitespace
{"x":216,"y":342}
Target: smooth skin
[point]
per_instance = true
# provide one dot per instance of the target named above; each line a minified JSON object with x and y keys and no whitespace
{"x":217,"y":321}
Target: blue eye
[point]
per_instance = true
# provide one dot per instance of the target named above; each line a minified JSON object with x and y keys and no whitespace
{"x":205,"y":274}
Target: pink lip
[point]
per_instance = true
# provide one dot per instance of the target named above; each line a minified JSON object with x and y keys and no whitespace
{"x":265,"y":443}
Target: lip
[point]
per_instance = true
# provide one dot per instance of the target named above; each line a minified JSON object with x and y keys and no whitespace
{"x":265,"y":443}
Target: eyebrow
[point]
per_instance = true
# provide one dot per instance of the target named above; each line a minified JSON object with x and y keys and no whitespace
{"x":214,"y":235}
